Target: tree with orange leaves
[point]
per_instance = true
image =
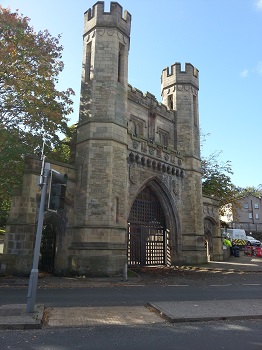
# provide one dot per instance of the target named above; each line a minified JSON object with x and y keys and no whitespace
{"x":31,"y":107}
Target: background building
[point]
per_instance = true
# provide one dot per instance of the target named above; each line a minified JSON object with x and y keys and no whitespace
{"x":248,"y":215}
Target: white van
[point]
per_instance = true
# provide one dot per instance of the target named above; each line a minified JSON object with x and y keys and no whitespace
{"x":236,"y":235}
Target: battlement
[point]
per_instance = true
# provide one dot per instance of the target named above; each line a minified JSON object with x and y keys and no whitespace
{"x":97,"y":17}
{"x":177,"y":76}
{"x":147,"y":100}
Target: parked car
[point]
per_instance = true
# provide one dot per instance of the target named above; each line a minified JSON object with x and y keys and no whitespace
{"x":252,"y":241}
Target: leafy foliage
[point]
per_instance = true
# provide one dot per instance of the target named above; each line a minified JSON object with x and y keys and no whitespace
{"x":31,"y":108}
{"x":250,"y":190}
{"x":4,"y":210}
{"x":216,"y":181}
{"x":63,"y":151}
{"x":30,"y":64}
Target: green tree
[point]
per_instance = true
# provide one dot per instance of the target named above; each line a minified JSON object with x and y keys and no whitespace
{"x":216,"y":180}
{"x":63,"y":152}
{"x":4,"y":210}
{"x":29,"y":67}
{"x":250,"y":190}
{"x":31,"y":106}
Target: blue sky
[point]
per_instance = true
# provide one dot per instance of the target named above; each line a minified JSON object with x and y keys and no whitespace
{"x":221,"y":38}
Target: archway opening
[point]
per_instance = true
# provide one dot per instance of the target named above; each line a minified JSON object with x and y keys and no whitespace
{"x":148,"y":237}
{"x":47,"y":249}
{"x":208,"y":227}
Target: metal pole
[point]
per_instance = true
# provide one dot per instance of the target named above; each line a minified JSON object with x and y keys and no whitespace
{"x":125,"y":272}
{"x":31,"y":294}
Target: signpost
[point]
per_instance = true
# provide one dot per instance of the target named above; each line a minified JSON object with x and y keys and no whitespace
{"x":56,"y":201}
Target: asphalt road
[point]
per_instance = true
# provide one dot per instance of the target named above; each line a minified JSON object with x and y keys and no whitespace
{"x":134,"y":295}
{"x":240,"y":335}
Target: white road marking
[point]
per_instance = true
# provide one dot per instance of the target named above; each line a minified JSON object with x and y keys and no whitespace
{"x":220,"y":285}
{"x":178,"y":285}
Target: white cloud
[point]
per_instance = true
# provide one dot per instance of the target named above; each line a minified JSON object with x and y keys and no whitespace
{"x":259,"y":5}
{"x":255,"y":70}
{"x":244,"y":73}
{"x":259,"y":68}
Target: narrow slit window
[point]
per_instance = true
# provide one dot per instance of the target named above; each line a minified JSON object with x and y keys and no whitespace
{"x":117,"y":210}
{"x":170,"y":103}
{"x":121,"y":64}
{"x":137,"y":127}
{"x":88,"y":62}
{"x":138,"y":132}
{"x":195,"y":114}
{"x":163,"y":138}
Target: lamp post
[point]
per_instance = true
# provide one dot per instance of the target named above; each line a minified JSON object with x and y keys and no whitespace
{"x":31,"y":294}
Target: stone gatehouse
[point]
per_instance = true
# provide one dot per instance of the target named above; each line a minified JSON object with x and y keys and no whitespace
{"x":134,"y":191}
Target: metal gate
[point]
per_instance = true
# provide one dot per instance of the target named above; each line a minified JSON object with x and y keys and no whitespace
{"x":47,"y":249}
{"x":147,"y":234}
{"x":208,"y":229}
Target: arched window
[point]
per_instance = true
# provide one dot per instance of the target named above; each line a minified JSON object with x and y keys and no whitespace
{"x":163,"y":138}
{"x":137,"y":129}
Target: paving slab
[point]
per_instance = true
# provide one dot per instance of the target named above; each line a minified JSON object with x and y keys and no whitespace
{"x":94,"y":316}
{"x":196,"y":311}
{"x":15,"y":317}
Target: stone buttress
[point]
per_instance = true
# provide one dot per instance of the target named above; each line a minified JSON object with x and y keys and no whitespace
{"x":99,"y":233}
{"x":179,"y":91}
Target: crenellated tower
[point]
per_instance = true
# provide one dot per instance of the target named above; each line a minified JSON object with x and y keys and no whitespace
{"x":99,"y":234}
{"x":105,"y":64}
{"x":179,"y":90}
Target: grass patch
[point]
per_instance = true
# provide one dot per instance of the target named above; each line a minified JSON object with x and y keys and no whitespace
{"x":131,"y":273}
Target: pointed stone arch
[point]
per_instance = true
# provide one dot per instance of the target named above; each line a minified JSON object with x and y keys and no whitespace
{"x":51,"y":242}
{"x":170,"y":221}
{"x":209,"y":225}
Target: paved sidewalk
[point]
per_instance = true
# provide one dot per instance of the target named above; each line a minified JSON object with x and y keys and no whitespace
{"x":192,"y":311}
{"x":96,"y":316}
{"x":243,"y":263}
{"x":15,"y":316}
{"x":157,"y":312}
